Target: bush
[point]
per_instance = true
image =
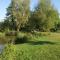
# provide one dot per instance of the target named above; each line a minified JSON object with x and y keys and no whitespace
{"x":11,"y":33}
{"x":9,"y":52}
{"x":23,"y":39}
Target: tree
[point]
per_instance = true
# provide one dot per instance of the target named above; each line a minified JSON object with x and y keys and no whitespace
{"x":10,"y":17}
{"x":45,"y":16}
{"x":18,"y":13}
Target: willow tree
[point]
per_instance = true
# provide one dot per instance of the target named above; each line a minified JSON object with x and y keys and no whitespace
{"x":51,"y":14}
{"x":18,"y":12}
{"x":45,"y":16}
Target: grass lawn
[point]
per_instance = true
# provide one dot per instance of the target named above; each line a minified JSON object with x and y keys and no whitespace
{"x":39,"y":48}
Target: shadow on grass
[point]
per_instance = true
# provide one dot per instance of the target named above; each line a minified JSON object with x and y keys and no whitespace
{"x":40,"y":42}
{"x":26,"y":40}
{"x":35,"y":43}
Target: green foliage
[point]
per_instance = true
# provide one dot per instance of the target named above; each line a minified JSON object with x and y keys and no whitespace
{"x":18,"y":13}
{"x":8,"y":52}
{"x":21,"y":38}
{"x":11,"y":33}
{"x":19,"y":17}
{"x":58,"y":26}
{"x":44,"y":17}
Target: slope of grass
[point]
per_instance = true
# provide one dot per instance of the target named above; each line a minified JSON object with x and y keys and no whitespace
{"x":38,"y":47}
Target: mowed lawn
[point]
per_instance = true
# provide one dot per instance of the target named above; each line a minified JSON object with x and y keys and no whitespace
{"x":44,"y":47}
{"x":40,"y":48}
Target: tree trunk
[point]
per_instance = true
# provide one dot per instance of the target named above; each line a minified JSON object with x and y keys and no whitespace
{"x":18,"y":29}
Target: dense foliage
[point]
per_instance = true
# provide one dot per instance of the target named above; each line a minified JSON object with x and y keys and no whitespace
{"x":19,"y":17}
{"x":45,"y":16}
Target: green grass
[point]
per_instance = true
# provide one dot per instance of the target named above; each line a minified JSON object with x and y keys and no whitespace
{"x":38,"y":52}
{"x":37,"y":48}
{"x":40,"y":48}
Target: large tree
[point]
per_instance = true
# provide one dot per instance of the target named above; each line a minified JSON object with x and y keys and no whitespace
{"x":45,"y":16}
{"x":18,"y":13}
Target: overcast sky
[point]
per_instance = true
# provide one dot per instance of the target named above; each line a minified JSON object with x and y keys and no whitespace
{"x":5,"y":3}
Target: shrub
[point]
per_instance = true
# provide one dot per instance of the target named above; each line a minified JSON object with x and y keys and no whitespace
{"x":9,"y":52}
{"x":11,"y":33}
{"x":23,"y":39}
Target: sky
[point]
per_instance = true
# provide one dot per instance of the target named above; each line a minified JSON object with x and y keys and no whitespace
{"x":5,"y":3}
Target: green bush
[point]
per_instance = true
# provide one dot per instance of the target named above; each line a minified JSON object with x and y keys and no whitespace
{"x":9,"y":52}
{"x":11,"y":33}
{"x":23,"y":39}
